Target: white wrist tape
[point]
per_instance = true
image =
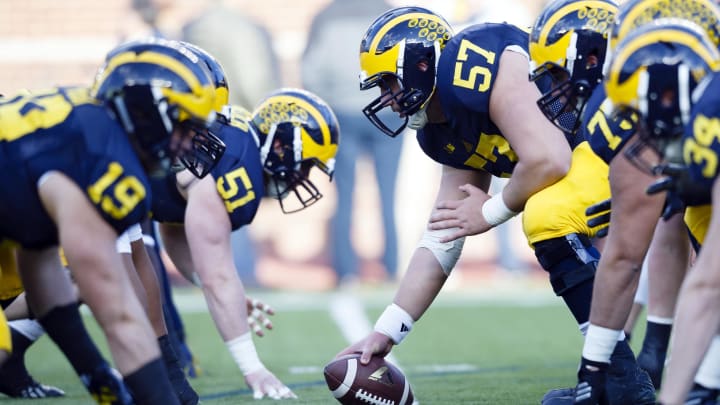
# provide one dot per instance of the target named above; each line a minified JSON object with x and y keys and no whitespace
{"x":395,"y":323}
{"x":495,"y":211}
{"x":600,"y":343}
{"x":447,"y":253}
{"x":243,"y":351}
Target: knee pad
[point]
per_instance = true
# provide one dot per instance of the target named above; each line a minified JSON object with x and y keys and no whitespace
{"x":570,"y":260}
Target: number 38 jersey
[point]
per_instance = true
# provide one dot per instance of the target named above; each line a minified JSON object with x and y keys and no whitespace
{"x":466,"y":73}
{"x":64,"y":130}
{"x":238,"y":176}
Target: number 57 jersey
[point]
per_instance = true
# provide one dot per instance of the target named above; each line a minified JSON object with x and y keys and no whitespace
{"x":66,"y":131}
{"x":466,"y":72}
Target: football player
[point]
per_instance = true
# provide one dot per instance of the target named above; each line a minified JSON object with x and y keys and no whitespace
{"x":660,"y":61}
{"x":78,"y":162}
{"x":668,"y":252}
{"x":464,"y":102}
{"x":15,"y":380}
{"x":696,"y":322}
{"x":267,"y":153}
{"x":692,"y":172}
{"x":568,"y":45}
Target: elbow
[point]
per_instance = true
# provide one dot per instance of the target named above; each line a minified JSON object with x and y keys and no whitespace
{"x":550,"y":170}
{"x":557,"y":170}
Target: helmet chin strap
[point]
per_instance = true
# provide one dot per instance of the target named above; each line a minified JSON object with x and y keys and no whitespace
{"x":265,"y":147}
{"x":419,"y":119}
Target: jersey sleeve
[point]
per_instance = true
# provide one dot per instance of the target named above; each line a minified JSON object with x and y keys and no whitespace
{"x":606,"y":133}
{"x":239,"y":174}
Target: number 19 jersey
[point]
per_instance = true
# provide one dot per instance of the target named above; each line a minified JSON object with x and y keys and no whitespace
{"x":65,"y":130}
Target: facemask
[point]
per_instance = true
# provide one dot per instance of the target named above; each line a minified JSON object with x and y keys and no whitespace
{"x":275,"y":189}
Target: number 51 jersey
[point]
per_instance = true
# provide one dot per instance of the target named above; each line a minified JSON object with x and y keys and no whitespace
{"x":238,"y":176}
{"x":65,"y":130}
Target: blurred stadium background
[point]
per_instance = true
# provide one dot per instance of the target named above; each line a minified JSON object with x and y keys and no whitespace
{"x":510,"y":354}
{"x":45,"y":43}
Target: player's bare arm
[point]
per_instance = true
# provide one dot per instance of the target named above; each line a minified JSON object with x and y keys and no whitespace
{"x":696,"y":315}
{"x":543,"y":153}
{"x":97,"y":270}
{"x":624,"y":251}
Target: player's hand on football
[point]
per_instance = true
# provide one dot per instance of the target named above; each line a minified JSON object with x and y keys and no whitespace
{"x":374,"y":344}
{"x":461,"y":217}
{"x":263,"y":384}
{"x":258,"y":313}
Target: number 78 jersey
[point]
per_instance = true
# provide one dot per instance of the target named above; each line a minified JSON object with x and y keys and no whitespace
{"x":66,"y":131}
{"x":466,"y":72}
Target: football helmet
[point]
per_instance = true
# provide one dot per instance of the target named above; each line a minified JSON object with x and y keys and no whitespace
{"x":403,"y":44}
{"x":296,"y":130}
{"x":635,"y":13}
{"x":653,"y":73}
{"x":217,"y":73}
{"x":155,"y":87}
{"x":568,"y":43}
{"x":207,"y":147}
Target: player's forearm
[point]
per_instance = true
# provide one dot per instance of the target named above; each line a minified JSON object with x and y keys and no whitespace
{"x":421,"y":284}
{"x":225,"y":299}
{"x":530,"y":177}
{"x":177,"y":248}
{"x":696,"y":323}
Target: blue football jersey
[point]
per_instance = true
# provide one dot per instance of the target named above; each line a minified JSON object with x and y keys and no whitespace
{"x":238,"y":176}
{"x":606,"y":133}
{"x":701,"y":140}
{"x":64,"y":130}
{"x":466,"y":73}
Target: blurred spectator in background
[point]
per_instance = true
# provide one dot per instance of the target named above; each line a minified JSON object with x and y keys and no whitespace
{"x":330,"y":69}
{"x":245,"y":51}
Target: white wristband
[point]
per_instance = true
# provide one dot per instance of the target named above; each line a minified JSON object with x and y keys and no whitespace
{"x":495,"y":211}
{"x":394,"y":322}
{"x":243,"y":351}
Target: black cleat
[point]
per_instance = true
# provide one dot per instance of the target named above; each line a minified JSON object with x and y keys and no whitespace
{"x":627,"y":383}
{"x":700,"y":395}
{"x":591,"y":387}
{"x":30,"y":389}
{"x":106,"y":386}
{"x":559,"y":396}
{"x":184,"y":392}
{"x":652,"y":360}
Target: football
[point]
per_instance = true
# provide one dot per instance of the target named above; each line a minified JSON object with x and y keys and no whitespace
{"x":377,"y":383}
